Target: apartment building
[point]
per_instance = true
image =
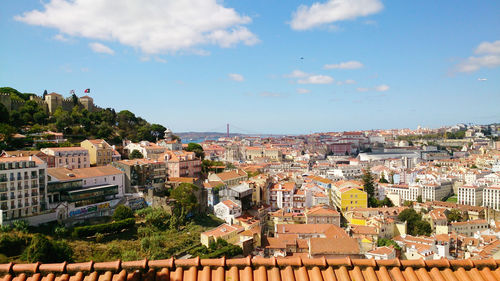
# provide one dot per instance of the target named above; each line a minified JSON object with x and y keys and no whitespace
{"x":87,"y":192}
{"x":182,"y":163}
{"x":255,"y":153}
{"x":349,"y":198}
{"x":470,"y":195}
{"x":100,"y":152}
{"x":491,"y":197}
{"x":468,"y":228}
{"x":68,"y":157}
{"x":22,"y":187}
{"x":436,"y":192}
{"x":404,"y":191}
{"x":322,"y":214}
{"x":140,"y":173}
{"x":281,"y":195}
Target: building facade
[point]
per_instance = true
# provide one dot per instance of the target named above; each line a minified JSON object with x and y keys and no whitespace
{"x":100,"y":152}
{"x":68,"y":157}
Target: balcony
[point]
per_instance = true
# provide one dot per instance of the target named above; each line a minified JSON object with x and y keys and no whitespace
{"x":3,"y":179}
{"x":4,"y":198}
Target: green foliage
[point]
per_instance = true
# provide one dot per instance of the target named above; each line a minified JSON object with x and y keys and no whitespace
{"x":387,"y":242}
{"x":454,"y":215}
{"x":21,"y":225}
{"x":122,"y":212}
{"x":217,"y":249}
{"x":197,"y":149}
{"x":415,"y":224}
{"x":382,"y":178}
{"x":368,"y":185}
{"x":158,"y":218}
{"x":419,"y":199}
{"x":12,"y":244}
{"x":185,"y":197}
{"x":41,"y":249}
{"x":61,"y":231}
{"x":135,"y":154}
{"x":4,"y":114}
{"x":113,"y":227}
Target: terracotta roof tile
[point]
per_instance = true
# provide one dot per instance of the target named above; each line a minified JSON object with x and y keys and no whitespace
{"x":295,"y":268}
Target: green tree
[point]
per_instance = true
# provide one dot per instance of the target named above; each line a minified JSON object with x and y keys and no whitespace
{"x":419,"y":199}
{"x":4,"y":114}
{"x":135,"y":154}
{"x":122,"y":212}
{"x":184,"y":194}
{"x":44,"y":94}
{"x":368,"y":185}
{"x":388,"y":242}
{"x":39,"y":250}
{"x":454,"y":215}
{"x":197,"y":149}
{"x":382,"y":178}
{"x":74,"y":99}
{"x":422,"y":227}
{"x":387,"y":202}
{"x":158,"y":131}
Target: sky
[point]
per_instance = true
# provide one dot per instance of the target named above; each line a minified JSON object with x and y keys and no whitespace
{"x":263,"y":66}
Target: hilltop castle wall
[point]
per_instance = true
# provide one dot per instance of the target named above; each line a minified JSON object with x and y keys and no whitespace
{"x":50,"y":104}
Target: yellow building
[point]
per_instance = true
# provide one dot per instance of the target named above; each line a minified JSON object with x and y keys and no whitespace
{"x":349,"y":198}
{"x":100,"y":152}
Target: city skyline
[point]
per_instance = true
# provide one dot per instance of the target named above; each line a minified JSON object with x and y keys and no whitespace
{"x":264,"y":67}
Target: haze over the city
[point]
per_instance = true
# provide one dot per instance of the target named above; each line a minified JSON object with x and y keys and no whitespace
{"x":263,"y":66}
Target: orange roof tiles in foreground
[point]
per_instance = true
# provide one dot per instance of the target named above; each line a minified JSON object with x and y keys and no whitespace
{"x":259,"y":269}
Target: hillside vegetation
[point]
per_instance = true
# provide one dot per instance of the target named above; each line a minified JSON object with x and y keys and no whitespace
{"x":77,"y":124}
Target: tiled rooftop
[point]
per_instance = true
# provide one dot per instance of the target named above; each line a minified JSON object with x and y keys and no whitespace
{"x":258,"y":269}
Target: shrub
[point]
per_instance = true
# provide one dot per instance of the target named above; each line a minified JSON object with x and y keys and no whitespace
{"x":99,"y":237}
{"x":113,"y":227}
{"x":12,"y":244}
{"x":61,"y":231}
{"x":158,"y":218}
{"x":21,"y":225}
{"x":122,"y":212}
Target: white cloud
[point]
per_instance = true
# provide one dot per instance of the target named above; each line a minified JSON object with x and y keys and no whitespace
{"x":270,"y":95}
{"x":382,"y":88}
{"x":160,"y":60}
{"x":490,"y":58}
{"x":100,"y":48}
{"x":344,"y":65}
{"x":153,"y":26}
{"x":316,"y":79}
{"x":60,"y":37}
{"x":379,"y":88}
{"x":473,"y":64}
{"x":488,"y":48}
{"x":482,"y":79}
{"x":303,"y":91}
{"x":306,"y":17}
{"x":296,"y":74}
{"x":346,"y":82}
{"x":236,"y":77}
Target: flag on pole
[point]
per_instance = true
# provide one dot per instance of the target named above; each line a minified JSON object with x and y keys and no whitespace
{"x":87,"y":91}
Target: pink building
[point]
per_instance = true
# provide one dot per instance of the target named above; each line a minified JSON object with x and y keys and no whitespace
{"x":68,"y":157}
{"x":182,"y":163}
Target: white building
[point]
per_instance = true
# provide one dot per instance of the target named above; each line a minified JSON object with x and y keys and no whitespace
{"x":470,"y":195}
{"x":227,"y":210}
{"x":491,"y":197}
{"x":22,"y":187}
{"x":148,"y":149}
{"x":405,"y":192}
{"x":381,"y":253}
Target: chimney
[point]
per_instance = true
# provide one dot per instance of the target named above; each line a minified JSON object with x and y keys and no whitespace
{"x":30,"y":158}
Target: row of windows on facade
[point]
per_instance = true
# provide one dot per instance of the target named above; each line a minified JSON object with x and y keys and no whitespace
{"x":3,"y":177}
{"x":17,"y":165}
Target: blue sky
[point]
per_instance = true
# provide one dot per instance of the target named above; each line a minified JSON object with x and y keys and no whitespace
{"x":197,"y":65}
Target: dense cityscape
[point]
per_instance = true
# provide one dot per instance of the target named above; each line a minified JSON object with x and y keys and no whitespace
{"x":200,"y":140}
{"x":412,"y":194}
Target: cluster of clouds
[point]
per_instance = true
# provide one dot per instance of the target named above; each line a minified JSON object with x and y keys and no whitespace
{"x":169,"y":26}
{"x":487,"y":55}
{"x":153,"y":26}
{"x":301,"y":77}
